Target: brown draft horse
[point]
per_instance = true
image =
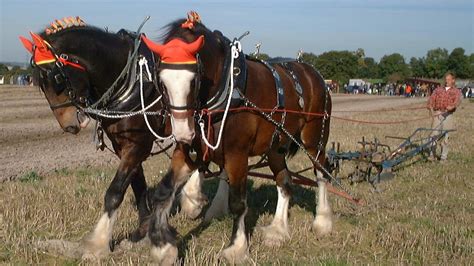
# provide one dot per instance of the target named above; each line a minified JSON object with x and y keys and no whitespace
{"x":246,"y":133}
{"x":91,"y":60}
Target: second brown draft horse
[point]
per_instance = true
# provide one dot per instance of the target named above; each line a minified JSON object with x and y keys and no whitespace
{"x":189,"y":82}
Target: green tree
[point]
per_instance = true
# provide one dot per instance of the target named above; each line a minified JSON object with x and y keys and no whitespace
{"x":360,"y":53}
{"x":393,"y":66}
{"x":458,"y":62}
{"x":471,"y":66}
{"x":337,"y":65}
{"x":261,"y":56}
{"x":436,"y":63}
{"x":417,"y":67}
{"x":369,"y":69}
{"x":3,"y":69}
{"x":309,"y":58}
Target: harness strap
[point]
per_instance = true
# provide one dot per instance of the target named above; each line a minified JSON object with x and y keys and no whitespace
{"x":279,"y":86}
{"x":62,"y":105}
{"x":298,"y":88}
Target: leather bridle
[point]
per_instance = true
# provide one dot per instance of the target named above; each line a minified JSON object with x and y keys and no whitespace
{"x":189,"y":108}
{"x":61,"y":81}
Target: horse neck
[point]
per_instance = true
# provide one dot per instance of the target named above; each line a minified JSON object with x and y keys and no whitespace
{"x":212,"y":68}
{"x":104,"y":55}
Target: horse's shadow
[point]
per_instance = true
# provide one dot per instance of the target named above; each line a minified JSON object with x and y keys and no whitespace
{"x":261,"y":200}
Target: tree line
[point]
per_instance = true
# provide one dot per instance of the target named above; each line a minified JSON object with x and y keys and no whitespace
{"x":344,"y":65}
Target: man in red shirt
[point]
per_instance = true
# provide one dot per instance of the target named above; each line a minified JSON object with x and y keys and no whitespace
{"x":442,"y":104}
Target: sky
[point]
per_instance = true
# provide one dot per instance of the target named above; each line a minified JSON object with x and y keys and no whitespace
{"x":380,"y":27}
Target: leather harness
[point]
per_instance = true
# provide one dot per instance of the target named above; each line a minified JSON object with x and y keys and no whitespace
{"x":127,"y":96}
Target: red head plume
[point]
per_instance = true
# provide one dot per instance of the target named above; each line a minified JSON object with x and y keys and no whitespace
{"x":176,"y":51}
{"x":42,"y":54}
{"x":27,"y":43}
{"x":155,"y":47}
{"x":39,"y":42}
{"x":193,"y":17}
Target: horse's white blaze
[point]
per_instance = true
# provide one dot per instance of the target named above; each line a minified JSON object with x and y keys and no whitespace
{"x":238,"y":251}
{"x":178,"y":86}
{"x":323,"y":222}
{"x":220,"y":203}
{"x":192,"y":200}
{"x":97,"y":242}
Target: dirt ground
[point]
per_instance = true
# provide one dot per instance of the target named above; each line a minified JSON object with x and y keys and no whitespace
{"x":31,"y":139}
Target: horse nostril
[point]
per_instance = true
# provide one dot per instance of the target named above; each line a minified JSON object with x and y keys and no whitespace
{"x":72,"y":129}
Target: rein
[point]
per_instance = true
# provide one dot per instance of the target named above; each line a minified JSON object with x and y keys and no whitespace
{"x":236,"y":50}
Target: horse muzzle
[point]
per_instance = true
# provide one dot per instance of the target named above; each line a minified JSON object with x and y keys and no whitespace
{"x":183,"y":126}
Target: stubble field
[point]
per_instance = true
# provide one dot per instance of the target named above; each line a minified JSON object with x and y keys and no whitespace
{"x":423,"y":216}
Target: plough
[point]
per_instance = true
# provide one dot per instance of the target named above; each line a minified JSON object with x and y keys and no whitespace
{"x":376,"y":162}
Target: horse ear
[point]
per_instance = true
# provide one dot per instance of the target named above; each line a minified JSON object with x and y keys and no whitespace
{"x":196,"y":45}
{"x":27,"y":43}
{"x":155,"y":47}
{"x":39,"y":42}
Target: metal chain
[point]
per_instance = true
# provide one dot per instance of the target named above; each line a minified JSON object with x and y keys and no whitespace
{"x":119,"y":114}
{"x":325,"y":117}
{"x":300,"y":146}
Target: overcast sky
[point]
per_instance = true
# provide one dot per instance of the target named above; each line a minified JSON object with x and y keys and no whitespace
{"x":283,"y":27}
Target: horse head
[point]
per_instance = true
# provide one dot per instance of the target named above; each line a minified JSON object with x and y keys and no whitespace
{"x":191,"y":58}
{"x":73,"y":66}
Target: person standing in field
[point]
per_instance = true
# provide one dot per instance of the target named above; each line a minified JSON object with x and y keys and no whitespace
{"x":408,"y":91}
{"x":442,"y":104}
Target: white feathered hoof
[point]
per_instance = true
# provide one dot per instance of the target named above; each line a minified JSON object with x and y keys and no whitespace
{"x":235,"y":254}
{"x":166,"y":255}
{"x":94,"y":249}
{"x":322,"y":224}
{"x":191,"y":205}
{"x":274,"y":235}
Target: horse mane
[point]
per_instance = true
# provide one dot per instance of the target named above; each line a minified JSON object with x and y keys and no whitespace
{"x":87,"y":40}
{"x":86,"y":30}
{"x":174,"y":30}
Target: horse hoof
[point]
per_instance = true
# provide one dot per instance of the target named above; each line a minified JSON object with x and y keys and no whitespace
{"x":274,"y":235}
{"x":235,"y":254}
{"x":94,"y":249}
{"x":139,"y":233}
{"x":322,"y":225}
{"x":166,"y":255}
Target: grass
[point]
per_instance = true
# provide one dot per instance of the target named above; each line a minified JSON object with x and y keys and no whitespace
{"x":30,"y":177}
{"x":423,"y":216}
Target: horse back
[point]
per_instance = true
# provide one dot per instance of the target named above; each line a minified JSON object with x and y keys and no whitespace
{"x":261,"y":86}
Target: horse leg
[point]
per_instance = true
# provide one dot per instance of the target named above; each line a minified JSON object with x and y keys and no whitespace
{"x":322,"y":223}
{"x":192,"y":199}
{"x":275,"y":233}
{"x":220,"y":204}
{"x":236,"y":168}
{"x":310,"y":136}
{"x":139,"y":188}
{"x":97,"y":243}
{"x":162,"y":236}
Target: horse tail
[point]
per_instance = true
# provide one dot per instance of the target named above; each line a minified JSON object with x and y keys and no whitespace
{"x":293,"y":148}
